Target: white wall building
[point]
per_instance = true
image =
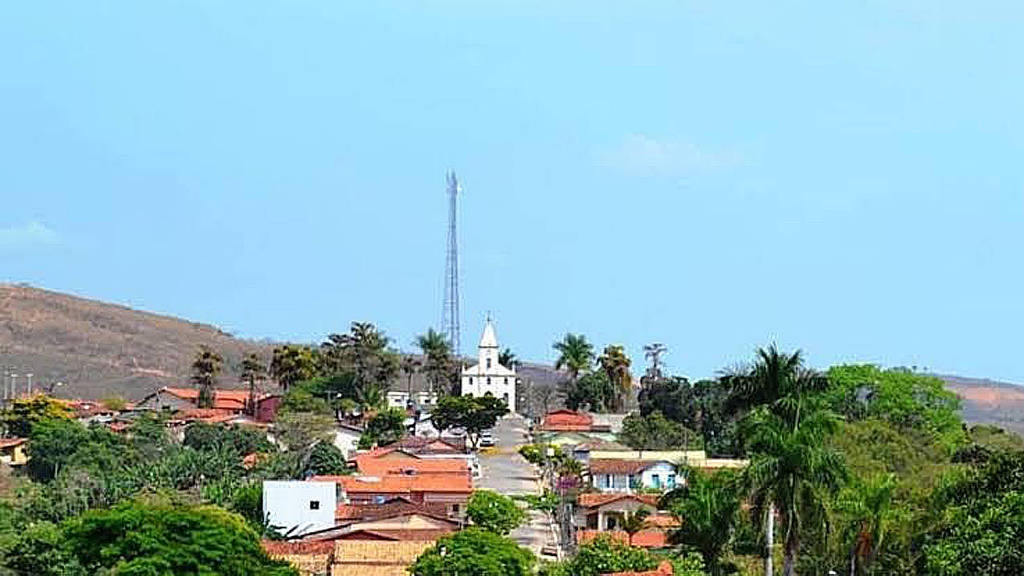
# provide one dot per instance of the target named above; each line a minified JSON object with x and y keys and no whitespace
{"x":296,"y":507}
{"x":488,"y":375}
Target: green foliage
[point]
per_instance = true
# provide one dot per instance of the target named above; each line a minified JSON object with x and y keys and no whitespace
{"x":326,"y":459}
{"x":707,"y":508}
{"x":21,"y":414}
{"x":114,"y":402}
{"x":700,"y":407}
{"x":655,"y":432}
{"x":547,"y":502}
{"x":363,"y":351}
{"x":979,"y":521}
{"x":903,"y":398}
{"x":493,"y":512}
{"x":474,"y":414}
{"x":475,"y":552}
{"x":534,"y":453}
{"x":615,"y":364}
{"x":299,"y":431}
{"x":384,"y":427}
{"x":292,"y":364}
{"x":603,"y":555}
{"x":241,"y":440}
{"x":592,"y":390}
{"x":440,"y":366}
{"x":575,"y":355}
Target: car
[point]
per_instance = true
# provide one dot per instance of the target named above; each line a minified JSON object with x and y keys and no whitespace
{"x":486,"y":439}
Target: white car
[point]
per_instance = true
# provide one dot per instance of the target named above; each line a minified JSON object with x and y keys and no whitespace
{"x":486,"y":439}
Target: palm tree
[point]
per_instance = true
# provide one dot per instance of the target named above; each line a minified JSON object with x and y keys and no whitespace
{"x":410,"y":366}
{"x":440,"y":367}
{"x":291,"y":364}
{"x":868,"y":505}
{"x":575,"y":355}
{"x":785,"y":429}
{"x":507,"y":358}
{"x":706,"y":508}
{"x":205,"y":369}
{"x":633,"y":522}
{"x":792,"y":468}
{"x":616,"y":365}
{"x":653,"y":352}
{"x":253,"y":372}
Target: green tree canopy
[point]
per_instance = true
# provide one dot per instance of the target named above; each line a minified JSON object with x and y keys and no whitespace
{"x":603,"y":555}
{"x":575,"y":355}
{"x":707,"y":508}
{"x":493,"y":512}
{"x":22,"y":413}
{"x":475,"y":552}
{"x":206,"y":368}
{"x":473,"y":414}
{"x":292,"y":364}
{"x":592,"y":390}
{"x":384,"y":427}
{"x":655,"y":432}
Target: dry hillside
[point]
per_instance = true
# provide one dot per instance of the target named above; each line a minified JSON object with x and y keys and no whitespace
{"x":99,"y":349}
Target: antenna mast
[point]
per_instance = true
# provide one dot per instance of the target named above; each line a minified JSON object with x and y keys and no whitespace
{"x":450,"y":315}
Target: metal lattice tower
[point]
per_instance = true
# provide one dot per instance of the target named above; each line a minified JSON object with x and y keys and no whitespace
{"x":450,"y":314}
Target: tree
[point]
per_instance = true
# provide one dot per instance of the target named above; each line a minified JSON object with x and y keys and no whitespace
{"x":653,"y":352}
{"x":205,"y":368}
{"x":291,"y":364}
{"x":440,"y":366}
{"x":615,"y":364}
{"x":866,"y":506}
{"x":604,"y":555}
{"x":363,"y":351}
{"x":575,"y":355}
{"x":635,"y":522}
{"x":655,"y":432}
{"x":385,"y":427}
{"x":21,"y":414}
{"x":326,"y":459}
{"x":410,"y":366}
{"x":137,"y":539}
{"x":508,"y":359}
{"x":593,"y":390}
{"x":473,"y":414}
{"x":475,"y":552}
{"x":978,"y":521}
{"x":52,"y":445}
{"x":299,"y":431}
{"x":707,"y":508}
{"x":253,"y":373}
{"x":493,"y":512}
{"x":786,"y":428}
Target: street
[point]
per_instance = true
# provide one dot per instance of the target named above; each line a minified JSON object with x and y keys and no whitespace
{"x":506,"y":472}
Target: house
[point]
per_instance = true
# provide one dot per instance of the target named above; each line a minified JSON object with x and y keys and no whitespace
{"x":632,"y":475}
{"x":488,"y":376}
{"x":691,"y":458}
{"x":226,"y":401}
{"x":386,"y":461}
{"x":12,"y":451}
{"x":415,"y":399}
{"x":313,"y":558}
{"x":426,"y":449}
{"x":346,"y":439}
{"x":451,"y":490}
{"x":379,"y":557}
{"x":605,"y":510}
{"x":564,"y":427}
{"x":642,"y":539}
{"x":297,"y":507}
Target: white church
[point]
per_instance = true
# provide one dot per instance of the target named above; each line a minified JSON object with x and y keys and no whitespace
{"x":488,"y":375}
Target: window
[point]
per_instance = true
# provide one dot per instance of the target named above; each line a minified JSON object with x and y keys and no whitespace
{"x":656,"y":480}
{"x":671,"y":481}
{"x":488,"y":363}
{"x":314,"y":504}
{"x":607,"y":480}
{"x":488,"y":380}
{"x":471,"y":380}
{"x":505,"y":397}
{"x":506,"y":381}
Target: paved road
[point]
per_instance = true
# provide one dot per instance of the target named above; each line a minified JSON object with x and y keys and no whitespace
{"x":505,"y":471}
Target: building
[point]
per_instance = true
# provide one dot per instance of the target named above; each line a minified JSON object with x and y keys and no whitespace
{"x":488,"y":376}
{"x":451,"y":490}
{"x":235,"y":402}
{"x":346,"y":439}
{"x":569,"y":427}
{"x":296,"y":507}
{"x":629,"y":476}
{"x":422,"y":399}
{"x":605,"y":511}
{"x":12,"y":451}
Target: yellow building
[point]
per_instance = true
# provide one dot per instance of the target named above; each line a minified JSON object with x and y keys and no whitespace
{"x":12,"y":451}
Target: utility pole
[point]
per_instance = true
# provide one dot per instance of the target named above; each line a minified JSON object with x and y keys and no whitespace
{"x":29,"y":376}
{"x":14,"y":386}
{"x":450,"y":311}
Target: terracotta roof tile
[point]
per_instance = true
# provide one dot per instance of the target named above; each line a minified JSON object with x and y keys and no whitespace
{"x":595,"y":499}
{"x":396,"y":506}
{"x":642,"y":539}
{"x":379,"y":467}
{"x":566,"y":421}
{"x":608,"y":466}
{"x":11,"y":442}
{"x":282,"y":547}
{"x":401,"y":484}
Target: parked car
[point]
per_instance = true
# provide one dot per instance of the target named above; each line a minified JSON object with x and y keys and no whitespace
{"x":486,"y":439}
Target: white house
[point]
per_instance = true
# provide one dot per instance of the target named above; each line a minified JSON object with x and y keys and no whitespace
{"x":488,"y":375}
{"x":296,"y":507}
{"x":628,"y":476}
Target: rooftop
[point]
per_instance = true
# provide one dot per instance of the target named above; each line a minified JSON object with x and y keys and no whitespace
{"x":608,"y":466}
{"x":401,"y":484}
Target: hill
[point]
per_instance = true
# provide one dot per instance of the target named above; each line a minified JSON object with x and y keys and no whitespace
{"x":989,"y":402}
{"x":98,"y":349}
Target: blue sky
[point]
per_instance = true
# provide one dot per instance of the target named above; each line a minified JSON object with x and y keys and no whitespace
{"x":841,"y":177}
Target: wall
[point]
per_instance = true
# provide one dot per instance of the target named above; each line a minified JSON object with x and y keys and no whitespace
{"x":288,"y":504}
{"x":663,"y":470}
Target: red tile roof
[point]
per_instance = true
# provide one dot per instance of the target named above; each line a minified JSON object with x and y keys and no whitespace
{"x":222,"y":399}
{"x":394,"y":535}
{"x":11,"y":442}
{"x":596,"y":499}
{"x":566,"y":421}
{"x":372,"y":466}
{"x":664,"y":569}
{"x":400,"y":484}
{"x":642,"y":539}
{"x":397,"y":506}
{"x":609,"y":466}
{"x":296,"y":547}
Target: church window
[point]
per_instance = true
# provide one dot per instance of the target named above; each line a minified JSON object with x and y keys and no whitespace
{"x":488,"y":363}
{"x":488,"y":380}
{"x":470,"y":380}
{"x":505,"y":382}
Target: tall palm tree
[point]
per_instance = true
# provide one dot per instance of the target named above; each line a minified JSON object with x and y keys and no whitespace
{"x":205,"y":369}
{"x":616,"y":365}
{"x":792,"y":468}
{"x":440,"y":367}
{"x":633,"y":522}
{"x":575,"y":355}
{"x":867,"y":504}
{"x":253,"y":373}
{"x":507,"y":358}
{"x":291,"y":364}
{"x":410,"y":366}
